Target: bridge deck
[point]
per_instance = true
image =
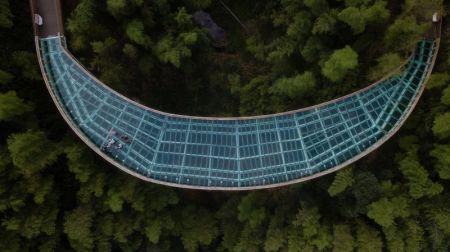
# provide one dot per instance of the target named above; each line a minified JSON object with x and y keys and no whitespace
{"x":225,"y":153}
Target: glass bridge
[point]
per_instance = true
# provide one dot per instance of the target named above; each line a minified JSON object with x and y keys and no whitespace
{"x":231,"y":153}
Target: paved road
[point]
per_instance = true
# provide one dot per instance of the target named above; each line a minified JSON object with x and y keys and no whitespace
{"x":51,"y":14}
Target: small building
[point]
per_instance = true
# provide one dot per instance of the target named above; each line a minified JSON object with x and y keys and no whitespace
{"x":216,"y":32}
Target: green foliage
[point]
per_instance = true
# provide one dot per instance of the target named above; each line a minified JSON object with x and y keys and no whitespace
{"x":174,"y":50}
{"x":255,"y":46}
{"x":27,"y":62}
{"x":354,"y":18}
{"x":438,"y":80}
{"x":404,"y":32}
{"x":295,"y":87}
{"x":78,"y":227}
{"x":342,"y":238}
{"x":37,"y":221}
{"x":235,"y":83}
{"x":79,"y":162}
{"x":445,"y":99}
{"x":418,"y":181}
{"x":255,"y":96}
{"x":197,"y":227}
{"x":438,"y":216}
{"x":300,"y":24}
{"x":12,"y":107}
{"x":441,"y":127}
{"x":342,"y":180}
{"x":200,"y":4}
{"x":183,"y":19}
{"x":5,"y":14}
{"x":130,"y":51}
{"x":313,"y":49}
{"x":80,"y":21}
{"x":135,"y":32}
{"x":368,"y":238}
{"x":324,"y":24}
{"x":394,"y":239}
{"x":116,"y":7}
{"x":423,"y":9}
{"x":249,"y":210}
{"x":317,"y":6}
{"x":5,"y":77}
{"x":313,"y":232}
{"x":414,"y":235}
{"x":276,"y":232}
{"x":358,"y":18}
{"x":386,"y":64}
{"x":384,"y":211}
{"x":340,"y":63}
{"x":442,"y":155}
{"x":31,"y":151}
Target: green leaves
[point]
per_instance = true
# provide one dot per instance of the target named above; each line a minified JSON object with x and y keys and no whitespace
{"x":82,"y":17}
{"x":116,"y":7}
{"x":438,"y":80}
{"x":174,"y":50}
{"x":386,"y":64}
{"x":384,"y":211}
{"x":135,"y":32}
{"x":441,"y":127}
{"x":5,"y":14}
{"x":342,"y":180}
{"x":5,"y":77}
{"x":442,"y":155}
{"x":12,"y":107}
{"x":419,"y":183}
{"x":312,"y":231}
{"x":403,"y":34}
{"x":77,"y":226}
{"x":354,"y":18}
{"x":342,"y":238}
{"x":445,"y":99}
{"x":324,"y":24}
{"x":358,"y":18}
{"x":295,"y":87}
{"x":340,"y":63}
{"x":31,"y":151}
{"x":367,"y":238}
{"x":251,"y":211}
{"x":197,"y":227}
{"x":28,"y":63}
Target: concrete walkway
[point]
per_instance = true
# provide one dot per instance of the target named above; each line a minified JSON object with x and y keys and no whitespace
{"x":51,"y":14}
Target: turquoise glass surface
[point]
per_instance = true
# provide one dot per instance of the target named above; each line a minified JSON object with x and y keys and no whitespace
{"x":245,"y":152}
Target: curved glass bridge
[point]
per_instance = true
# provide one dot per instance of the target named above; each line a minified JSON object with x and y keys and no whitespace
{"x":230,"y":153}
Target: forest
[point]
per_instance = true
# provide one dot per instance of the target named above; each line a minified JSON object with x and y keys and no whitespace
{"x":58,"y":195}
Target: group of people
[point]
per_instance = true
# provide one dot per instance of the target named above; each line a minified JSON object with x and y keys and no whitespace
{"x":113,"y":143}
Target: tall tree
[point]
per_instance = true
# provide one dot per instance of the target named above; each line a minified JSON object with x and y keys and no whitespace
{"x":340,"y":63}
{"x":5,"y":14}
{"x":12,"y":107}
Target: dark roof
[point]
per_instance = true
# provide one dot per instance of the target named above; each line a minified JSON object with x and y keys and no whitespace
{"x":216,"y":32}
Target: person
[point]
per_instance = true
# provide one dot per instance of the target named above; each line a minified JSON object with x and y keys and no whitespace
{"x":111,"y":141}
{"x":126,"y":139}
{"x":112,"y":132}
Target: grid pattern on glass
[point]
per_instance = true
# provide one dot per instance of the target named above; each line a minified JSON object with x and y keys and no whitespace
{"x":236,"y":152}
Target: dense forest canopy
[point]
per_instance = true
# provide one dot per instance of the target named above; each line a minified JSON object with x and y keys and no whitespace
{"x":57,"y":195}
